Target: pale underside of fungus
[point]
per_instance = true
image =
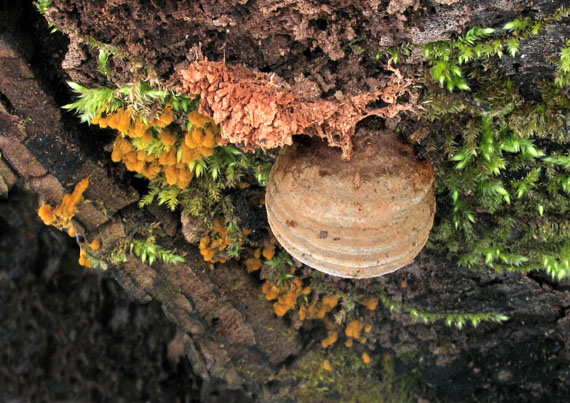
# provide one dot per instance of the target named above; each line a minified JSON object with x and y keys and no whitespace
{"x":258,"y":110}
{"x":360,"y":218}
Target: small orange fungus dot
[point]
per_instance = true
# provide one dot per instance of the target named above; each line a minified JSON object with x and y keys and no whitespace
{"x":83,"y":260}
{"x":269,"y":252}
{"x":271,"y":292}
{"x":327,"y":365}
{"x":327,"y":304}
{"x":349,"y":343}
{"x":95,"y":245}
{"x":303,"y":312}
{"x":370,"y":303}
{"x":354,"y":328}
{"x":366,"y":358}
{"x":330,"y":340}
{"x":253,"y":264}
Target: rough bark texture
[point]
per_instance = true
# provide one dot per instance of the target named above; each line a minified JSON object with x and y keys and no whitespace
{"x":326,"y":51}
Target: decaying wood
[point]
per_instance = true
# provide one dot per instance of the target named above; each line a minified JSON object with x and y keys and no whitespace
{"x":228,"y":339}
{"x":229,"y":330}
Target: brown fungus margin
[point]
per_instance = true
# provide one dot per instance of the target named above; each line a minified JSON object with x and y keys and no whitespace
{"x":259,"y":110}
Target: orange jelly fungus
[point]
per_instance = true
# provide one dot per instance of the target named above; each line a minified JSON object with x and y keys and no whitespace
{"x":327,"y":365}
{"x":270,"y":290}
{"x":370,"y":303}
{"x":349,"y":343}
{"x":303,"y":312}
{"x":327,"y":304}
{"x":62,"y":215}
{"x":177,"y":151}
{"x":269,"y":252}
{"x":366,"y":358}
{"x":253,"y":264}
{"x":287,"y":298}
{"x":218,"y":241}
{"x":354,"y":328}
{"x":83,"y":260}
{"x":330,"y":340}
{"x":95,"y":245}
{"x":46,"y":214}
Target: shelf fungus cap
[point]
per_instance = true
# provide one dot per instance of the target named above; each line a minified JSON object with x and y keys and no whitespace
{"x":360,"y":218}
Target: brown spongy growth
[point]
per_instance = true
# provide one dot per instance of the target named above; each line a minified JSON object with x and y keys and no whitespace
{"x":254,"y":112}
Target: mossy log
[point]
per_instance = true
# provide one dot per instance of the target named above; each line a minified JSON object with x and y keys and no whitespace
{"x":230,"y":331}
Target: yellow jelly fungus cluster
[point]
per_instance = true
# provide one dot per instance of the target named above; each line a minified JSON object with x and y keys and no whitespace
{"x":218,"y":241}
{"x":354,"y":330}
{"x":318,"y":309}
{"x":269,"y":252}
{"x":330,"y":340}
{"x":286,"y":295}
{"x":370,"y":303}
{"x":254,"y":263}
{"x":176,"y":153}
{"x":83,"y":256}
{"x":366,"y":358}
{"x":61,"y":216}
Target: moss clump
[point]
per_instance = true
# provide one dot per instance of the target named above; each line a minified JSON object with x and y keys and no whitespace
{"x":341,"y":375}
{"x":503,"y":176}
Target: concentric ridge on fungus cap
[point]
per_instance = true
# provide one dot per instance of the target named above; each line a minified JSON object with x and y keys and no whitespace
{"x":362,"y":218}
{"x":255,"y":112}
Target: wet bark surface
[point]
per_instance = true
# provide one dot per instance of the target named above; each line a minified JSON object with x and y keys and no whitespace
{"x":229,"y":344}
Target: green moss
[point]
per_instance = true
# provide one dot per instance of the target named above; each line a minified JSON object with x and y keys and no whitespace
{"x":503,"y":175}
{"x":447,"y":58}
{"x":350,"y":380}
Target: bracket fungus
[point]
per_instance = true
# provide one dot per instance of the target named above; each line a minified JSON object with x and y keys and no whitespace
{"x":360,"y":218}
